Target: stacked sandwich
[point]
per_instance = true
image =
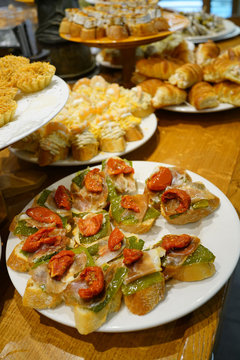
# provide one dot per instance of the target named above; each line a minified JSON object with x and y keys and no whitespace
{"x":81,"y":246}
{"x":98,"y":116}
{"x":204,"y":77}
{"x":115,"y":20}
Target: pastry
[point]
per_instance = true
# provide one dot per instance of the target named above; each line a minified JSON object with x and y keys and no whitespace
{"x":222,"y":69}
{"x":186,"y":76}
{"x":168,"y":94}
{"x":228,"y":92}
{"x":206,"y":52}
{"x":150,"y":86}
{"x":7,"y":110}
{"x":203,"y":96}
{"x":156,"y":67}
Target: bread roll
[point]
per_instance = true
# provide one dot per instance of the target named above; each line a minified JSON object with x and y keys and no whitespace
{"x":168,"y":94}
{"x":203,"y":96}
{"x":228,"y":92}
{"x":206,"y":52}
{"x":186,"y":76}
{"x":156,"y":67}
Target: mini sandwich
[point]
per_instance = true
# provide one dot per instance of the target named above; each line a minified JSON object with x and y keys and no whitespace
{"x":186,"y":259}
{"x":187,"y":203}
{"x":132,"y":213}
{"x":89,"y":190}
{"x":120,"y":176}
{"x":161,"y":178}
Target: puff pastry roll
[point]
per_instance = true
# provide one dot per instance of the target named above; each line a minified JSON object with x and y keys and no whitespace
{"x":228,"y":92}
{"x":186,"y":76}
{"x":206,"y":52}
{"x":156,"y":67}
{"x":222,"y":69}
{"x":168,"y":94}
{"x":183,"y":53}
{"x":150,"y":86}
{"x":231,"y":53}
{"x":203,"y":96}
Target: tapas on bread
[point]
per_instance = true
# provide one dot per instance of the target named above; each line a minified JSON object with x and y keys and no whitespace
{"x":79,"y":241}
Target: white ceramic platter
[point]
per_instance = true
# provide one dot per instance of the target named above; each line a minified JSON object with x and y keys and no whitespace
{"x":148,"y":126}
{"x":229,"y":28}
{"x":34,"y":110}
{"x":188,"y":108}
{"x":181,"y":298}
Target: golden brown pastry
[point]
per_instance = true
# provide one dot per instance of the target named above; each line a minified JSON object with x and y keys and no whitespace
{"x":186,"y":76}
{"x":150,"y":86}
{"x":7,"y":110}
{"x":168,"y":94}
{"x":228,"y":92}
{"x":117,"y":32}
{"x":231,"y":53}
{"x":203,"y":96}
{"x":156,"y":67}
{"x":222,"y":69}
{"x":206,"y":52}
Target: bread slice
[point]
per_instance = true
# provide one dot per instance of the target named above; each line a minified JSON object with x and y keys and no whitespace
{"x":195,"y":272}
{"x":139,"y":228}
{"x":35,"y":297}
{"x":88,"y":321}
{"x":17,"y":260}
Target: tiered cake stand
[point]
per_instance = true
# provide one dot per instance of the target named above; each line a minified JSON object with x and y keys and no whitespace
{"x":128,"y":46}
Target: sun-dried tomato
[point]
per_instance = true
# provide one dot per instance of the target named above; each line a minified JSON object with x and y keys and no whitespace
{"x":128,"y":202}
{"x":93,"y":275}
{"x":44,"y":215}
{"x":94,"y":181}
{"x":131,"y":256}
{"x":34,"y":241}
{"x":115,"y":240}
{"x":118,"y":166}
{"x":160,"y":180}
{"x":170,"y":242}
{"x":180,"y":195}
{"x":60,"y":263}
{"x":90,"y":225}
{"x":63,"y":198}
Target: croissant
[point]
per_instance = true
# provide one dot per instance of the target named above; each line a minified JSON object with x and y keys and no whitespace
{"x":168,"y":94}
{"x":222,"y":69}
{"x":186,"y":76}
{"x":156,"y":67}
{"x":203,"y":96}
{"x":207,"y":51}
{"x":183,"y":53}
{"x":228,"y":92}
{"x":150,"y":86}
{"x":231,"y":53}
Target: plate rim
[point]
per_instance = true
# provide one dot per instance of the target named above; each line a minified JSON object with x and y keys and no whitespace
{"x":189,"y":109}
{"x":212,"y":290}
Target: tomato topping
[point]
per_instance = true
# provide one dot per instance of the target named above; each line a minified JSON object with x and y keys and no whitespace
{"x":160,"y":180}
{"x":93,"y":275}
{"x":60,"y":263}
{"x":90,"y":225}
{"x":131,"y":256}
{"x":118,"y":166}
{"x":94,"y":181}
{"x":63,"y":198}
{"x":44,"y":215}
{"x":128,"y":202}
{"x":181,"y":195}
{"x":180,"y":244}
{"x":34,"y":241}
{"x":115,"y":240}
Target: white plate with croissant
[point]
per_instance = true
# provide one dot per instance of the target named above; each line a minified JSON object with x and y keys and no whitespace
{"x":188,"y":108}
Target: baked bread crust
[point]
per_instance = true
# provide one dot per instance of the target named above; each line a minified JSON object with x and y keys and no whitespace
{"x":206,"y":52}
{"x":168,"y":94}
{"x":228,"y":92}
{"x":202,"y":96}
{"x":186,"y":76}
{"x":156,"y":67}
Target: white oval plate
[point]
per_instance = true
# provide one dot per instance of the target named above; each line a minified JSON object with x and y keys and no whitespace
{"x":148,"y":126}
{"x":229,"y":27}
{"x":181,"y":298}
{"x":188,"y":108}
{"x":34,"y":110}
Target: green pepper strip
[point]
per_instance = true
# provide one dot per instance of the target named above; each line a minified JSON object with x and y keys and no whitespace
{"x":81,"y":249}
{"x":43,"y":259}
{"x":80,"y":177}
{"x":200,"y":255}
{"x":142,"y":283}
{"x":43,"y":197}
{"x":23,"y":229}
{"x":112,"y":289}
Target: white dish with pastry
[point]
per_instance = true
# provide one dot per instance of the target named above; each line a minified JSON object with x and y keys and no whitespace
{"x":176,"y":187}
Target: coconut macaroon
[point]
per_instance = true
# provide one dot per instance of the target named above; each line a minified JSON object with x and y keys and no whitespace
{"x":7,"y":110}
{"x":35,"y":76}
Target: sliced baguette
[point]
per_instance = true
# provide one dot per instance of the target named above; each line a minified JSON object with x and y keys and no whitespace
{"x":139,"y":228}
{"x":17,"y":260}
{"x":35,"y":297}
{"x":194,"y":272}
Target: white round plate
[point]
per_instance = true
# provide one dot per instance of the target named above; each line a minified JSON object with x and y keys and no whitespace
{"x":148,"y":126}
{"x":101,"y":61}
{"x":34,"y":110}
{"x":188,"y":108}
{"x":181,"y":298}
{"x":229,"y":27}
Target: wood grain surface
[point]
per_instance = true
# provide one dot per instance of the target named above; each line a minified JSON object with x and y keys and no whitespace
{"x":208,"y":144}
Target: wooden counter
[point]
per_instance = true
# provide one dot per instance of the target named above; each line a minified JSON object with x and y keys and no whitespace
{"x":207,"y":144}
